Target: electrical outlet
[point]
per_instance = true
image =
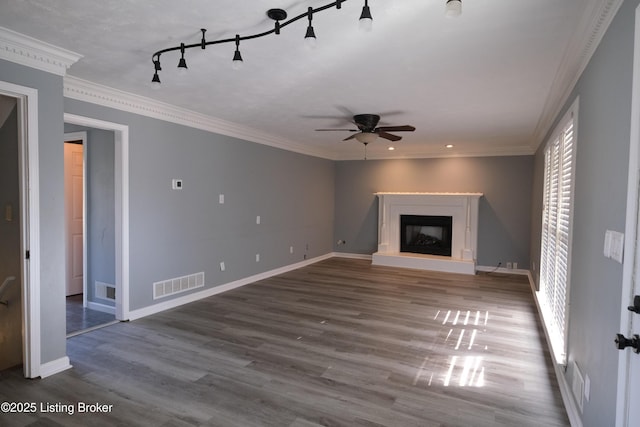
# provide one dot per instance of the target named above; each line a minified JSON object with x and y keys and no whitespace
{"x":509,"y":265}
{"x":290,"y":249}
{"x":221,"y":199}
{"x":222,"y":266}
{"x":515,"y":265}
{"x":257,"y":257}
{"x":258,"y":219}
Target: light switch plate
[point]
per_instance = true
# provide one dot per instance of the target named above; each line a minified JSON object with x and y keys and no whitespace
{"x":221,"y":199}
{"x":617,"y":246}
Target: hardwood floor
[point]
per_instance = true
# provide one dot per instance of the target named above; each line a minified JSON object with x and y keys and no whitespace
{"x":338,"y":343}
{"x":80,"y":319}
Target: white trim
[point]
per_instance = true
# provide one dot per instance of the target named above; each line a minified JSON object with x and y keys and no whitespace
{"x":27,"y":101}
{"x":83,"y":90}
{"x":351,"y":255}
{"x":176,"y":302}
{"x":34,"y":53}
{"x":101,"y":307}
{"x":82,"y":136}
{"x":571,"y":406}
{"x":632,"y":217}
{"x":54,"y":367}
{"x":577,"y":55}
{"x":502,"y":270}
{"x":121,"y":173}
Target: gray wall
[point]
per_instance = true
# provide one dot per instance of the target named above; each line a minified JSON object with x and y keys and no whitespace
{"x":600,"y":201}
{"x":50,"y":135}
{"x":100,"y":209}
{"x":10,"y":265}
{"x":505,"y":209}
{"x":175,"y":233}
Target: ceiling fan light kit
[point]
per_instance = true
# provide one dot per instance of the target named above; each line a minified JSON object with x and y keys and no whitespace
{"x":453,"y":8}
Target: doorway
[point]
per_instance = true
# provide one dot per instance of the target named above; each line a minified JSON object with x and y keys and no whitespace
{"x":89,"y":229}
{"x":628,"y":410}
{"x":10,"y":226}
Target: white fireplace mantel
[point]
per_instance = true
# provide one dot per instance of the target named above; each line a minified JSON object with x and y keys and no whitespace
{"x":462,"y":207}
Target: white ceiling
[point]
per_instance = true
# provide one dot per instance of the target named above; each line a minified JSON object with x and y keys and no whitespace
{"x":489,"y":81}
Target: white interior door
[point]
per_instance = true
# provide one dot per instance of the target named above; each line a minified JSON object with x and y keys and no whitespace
{"x":633,"y":397}
{"x":73,"y":193}
{"x":628,"y":409}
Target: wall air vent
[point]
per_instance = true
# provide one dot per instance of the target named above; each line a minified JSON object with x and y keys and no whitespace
{"x":179,"y":284}
{"x":105,"y":291}
{"x":577,"y":386}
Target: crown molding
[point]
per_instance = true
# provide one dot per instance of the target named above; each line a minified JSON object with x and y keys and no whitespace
{"x":83,"y":90}
{"x":521,"y":150}
{"x":34,"y":53}
{"x":578,"y":53}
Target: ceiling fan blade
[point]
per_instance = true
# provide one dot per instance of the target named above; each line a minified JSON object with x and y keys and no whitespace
{"x":341,"y":130}
{"x":388,"y":136}
{"x":350,"y":137}
{"x":405,"y":128}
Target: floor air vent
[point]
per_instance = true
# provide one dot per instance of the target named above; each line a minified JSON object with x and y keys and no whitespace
{"x":179,"y":284}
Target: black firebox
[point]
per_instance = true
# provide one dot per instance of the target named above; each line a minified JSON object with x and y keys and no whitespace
{"x":426,"y":234}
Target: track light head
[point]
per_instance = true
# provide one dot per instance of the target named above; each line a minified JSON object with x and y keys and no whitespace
{"x":155,"y":81}
{"x":366,"y":20}
{"x":182,"y":64}
{"x":237,"y":57}
{"x":453,"y":8}
{"x":310,"y":36}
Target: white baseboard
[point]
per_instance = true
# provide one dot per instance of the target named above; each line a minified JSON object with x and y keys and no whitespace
{"x":54,"y":367}
{"x":176,"y":302}
{"x":351,"y":256}
{"x":101,"y":307}
{"x":502,"y":270}
{"x":570,"y":405}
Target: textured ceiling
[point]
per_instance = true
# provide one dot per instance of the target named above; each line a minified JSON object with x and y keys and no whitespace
{"x":487,"y":82}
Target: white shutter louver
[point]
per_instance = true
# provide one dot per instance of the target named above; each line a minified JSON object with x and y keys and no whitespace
{"x":556,"y":234}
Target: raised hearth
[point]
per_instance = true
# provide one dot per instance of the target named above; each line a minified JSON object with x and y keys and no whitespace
{"x":461,"y":207}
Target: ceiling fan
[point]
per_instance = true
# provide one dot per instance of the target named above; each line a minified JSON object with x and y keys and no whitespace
{"x":368,"y":129}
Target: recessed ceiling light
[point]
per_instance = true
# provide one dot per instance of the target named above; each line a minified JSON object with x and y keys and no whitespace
{"x":449,"y":146}
{"x":392,"y":148}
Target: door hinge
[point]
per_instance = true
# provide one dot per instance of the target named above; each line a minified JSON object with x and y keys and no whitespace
{"x":27,"y":255}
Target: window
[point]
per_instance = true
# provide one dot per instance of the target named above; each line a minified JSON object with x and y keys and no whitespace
{"x":559,"y":168}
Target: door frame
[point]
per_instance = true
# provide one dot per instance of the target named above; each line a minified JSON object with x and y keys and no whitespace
{"x":28,"y":170}
{"x":121,"y":193}
{"x":631,"y":253}
{"x":82,"y":136}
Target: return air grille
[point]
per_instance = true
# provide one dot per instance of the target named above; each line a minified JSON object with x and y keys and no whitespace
{"x":179,"y":284}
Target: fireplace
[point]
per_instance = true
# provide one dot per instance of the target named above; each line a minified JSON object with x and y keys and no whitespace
{"x":461,"y":233}
{"x":426,"y":234}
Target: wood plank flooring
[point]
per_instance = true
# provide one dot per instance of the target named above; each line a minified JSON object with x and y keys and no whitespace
{"x":337,"y":343}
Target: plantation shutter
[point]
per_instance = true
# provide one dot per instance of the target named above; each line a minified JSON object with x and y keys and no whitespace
{"x":556,"y":235}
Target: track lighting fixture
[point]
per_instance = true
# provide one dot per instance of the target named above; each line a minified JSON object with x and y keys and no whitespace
{"x":453,"y":8}
{"x":237,"y":57}
{"x":366,"y":20}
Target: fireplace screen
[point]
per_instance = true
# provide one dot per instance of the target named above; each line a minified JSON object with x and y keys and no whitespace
{"x":426,"y":234}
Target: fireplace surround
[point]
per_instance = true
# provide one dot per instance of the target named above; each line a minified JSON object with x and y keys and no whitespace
{"x":462,"y":208}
